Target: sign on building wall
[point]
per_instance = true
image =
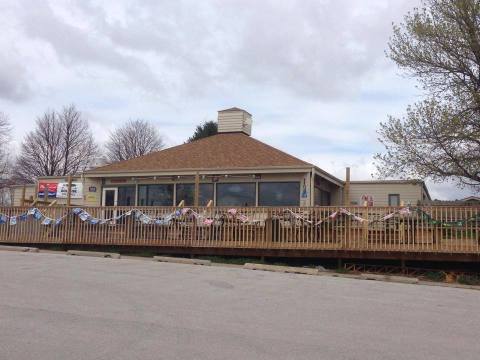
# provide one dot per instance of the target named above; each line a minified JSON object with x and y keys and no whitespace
{"x":366,"y":200}
{"x":304,"y":190}
{"x":77,"y":190}
{"x":51,"y":188}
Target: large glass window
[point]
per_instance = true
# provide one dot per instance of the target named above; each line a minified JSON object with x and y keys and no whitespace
{"x":322,"y":197}
{"x":155,"y":195}
{"x":236,"y":194}
{"x":126,"y":196}
{"x":186,"y":192}
{"x":279,"y":194}
{"x":206,"y":194}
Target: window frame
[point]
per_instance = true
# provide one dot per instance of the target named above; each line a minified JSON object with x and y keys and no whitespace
{"x":220,"y":184}
{"x":278,"y":182}
{"x":392,"y":195}
{"x":147,"y":186}
{"x":177,"y":200}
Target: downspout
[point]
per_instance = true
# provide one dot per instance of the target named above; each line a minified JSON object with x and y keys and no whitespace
{"x":346,"y":189}
{"x":312,"y":187}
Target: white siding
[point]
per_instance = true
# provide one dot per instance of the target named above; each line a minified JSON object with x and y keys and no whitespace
{"x":409,"y":193}
{"x":234,"y":121}
{"x":18,"y":191}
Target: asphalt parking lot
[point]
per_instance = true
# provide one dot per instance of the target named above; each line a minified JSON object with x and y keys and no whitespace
{"x":54,"y":306}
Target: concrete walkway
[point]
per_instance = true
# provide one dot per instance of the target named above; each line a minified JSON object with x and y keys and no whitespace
{"x":56,"y":306}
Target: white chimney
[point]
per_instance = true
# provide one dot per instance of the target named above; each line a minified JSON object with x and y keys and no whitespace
{"x":234,"y":120}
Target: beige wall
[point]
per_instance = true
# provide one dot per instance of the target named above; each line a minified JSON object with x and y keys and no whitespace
{"x":92,"y":198}
{"x":409,"y":193}
{"x":89,"y":198}
{"x":18,"y":191}
{"x":234,"y":121}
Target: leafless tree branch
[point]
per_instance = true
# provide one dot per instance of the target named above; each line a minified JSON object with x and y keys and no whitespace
{"x":135,"y":138}
{"x":61,"y":144}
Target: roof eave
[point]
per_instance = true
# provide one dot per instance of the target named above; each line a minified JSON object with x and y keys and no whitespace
{"x":201,"y":171}
{"x":329,"y":176}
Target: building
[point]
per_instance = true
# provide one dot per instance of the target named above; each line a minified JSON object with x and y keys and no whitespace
{"x":388,"y":192}
{"x":228,"y":169}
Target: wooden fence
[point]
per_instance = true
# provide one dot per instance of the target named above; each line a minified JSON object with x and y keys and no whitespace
{"x":425,"y":229}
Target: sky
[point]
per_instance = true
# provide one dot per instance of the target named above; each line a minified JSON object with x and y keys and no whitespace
{"x":313,"y":74}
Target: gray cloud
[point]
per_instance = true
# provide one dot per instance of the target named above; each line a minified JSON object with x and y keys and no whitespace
{"x":320,"y":50}
{"x":84,"y":46}
{"x":14,"y":81}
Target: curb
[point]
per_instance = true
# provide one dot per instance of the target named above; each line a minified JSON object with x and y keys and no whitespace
{"x":93,"y":254}
{"x":390,"y":278}
{"x":182,"y":260}
{"x":18,"y":248}
{"x":282,"y":269}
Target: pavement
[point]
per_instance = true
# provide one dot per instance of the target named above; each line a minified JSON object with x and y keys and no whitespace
{"x":54,"y":306}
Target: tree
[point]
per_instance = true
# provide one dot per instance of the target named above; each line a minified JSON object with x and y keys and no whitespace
{"x":208,"y":128}
{"x":135,"y":138}
{"x":5,"y":130}
{"x":60,"y":145}
{"x":439,"y":137}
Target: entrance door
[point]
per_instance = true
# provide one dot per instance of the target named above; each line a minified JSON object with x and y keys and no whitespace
{"x":110,"y":198}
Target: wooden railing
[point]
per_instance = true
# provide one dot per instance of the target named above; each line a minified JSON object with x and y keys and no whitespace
{"x":426,"y":229}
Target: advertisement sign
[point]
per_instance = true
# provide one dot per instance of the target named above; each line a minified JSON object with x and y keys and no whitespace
{"x":51,"y":188}
{"x":77,"y":190}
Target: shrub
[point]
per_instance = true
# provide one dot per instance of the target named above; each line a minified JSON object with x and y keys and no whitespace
{"x":469,"y":279}
{"x":435,"y":276}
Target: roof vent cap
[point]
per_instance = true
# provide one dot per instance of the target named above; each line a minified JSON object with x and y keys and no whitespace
{"x":234,"y":120}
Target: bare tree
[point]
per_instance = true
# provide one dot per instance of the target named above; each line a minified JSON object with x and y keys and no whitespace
{"x":78,"y":146}
{"x":5,"y":130}
{"x":439,"y":138}
{"x":135,"y":138}
{"x":61,"y":144}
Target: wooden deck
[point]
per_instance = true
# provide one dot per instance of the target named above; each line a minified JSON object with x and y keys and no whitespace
{"x":309,"y":231}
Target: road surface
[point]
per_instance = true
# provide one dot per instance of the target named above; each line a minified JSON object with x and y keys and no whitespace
{"x":54,"y":306}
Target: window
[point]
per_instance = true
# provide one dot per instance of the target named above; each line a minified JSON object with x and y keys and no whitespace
{"x":155,"y":195}
{"x":393,"y":200}
{"x":279,"y":193}
{"x":186,"y":192}
{"x":239,"y":194}
{"x":206,"y":194}
{"x":126,"y":196}
{"x":322,"y":197}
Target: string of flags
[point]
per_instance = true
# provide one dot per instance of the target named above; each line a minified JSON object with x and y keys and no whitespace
{"x":234,"y":214}
{"x":139,"y":215}
{"x":406,"y":211}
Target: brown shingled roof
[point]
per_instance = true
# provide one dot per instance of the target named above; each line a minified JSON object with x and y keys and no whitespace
{"x":221,"y":151}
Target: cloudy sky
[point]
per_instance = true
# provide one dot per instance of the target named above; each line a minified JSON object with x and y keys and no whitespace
{"x":312,"y":73}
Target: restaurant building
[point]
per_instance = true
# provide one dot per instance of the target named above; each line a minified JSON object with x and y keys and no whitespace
{"x":228,"y":169}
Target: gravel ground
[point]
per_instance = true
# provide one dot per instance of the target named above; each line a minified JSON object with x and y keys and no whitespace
{"x":54,"y":306}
